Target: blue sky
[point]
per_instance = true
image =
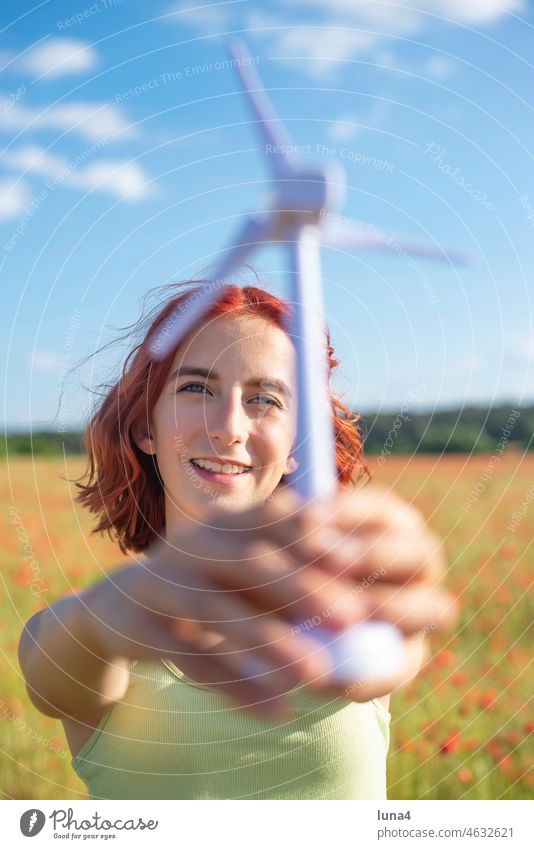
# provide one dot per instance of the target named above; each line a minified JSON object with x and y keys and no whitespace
{"x":128,"y":157}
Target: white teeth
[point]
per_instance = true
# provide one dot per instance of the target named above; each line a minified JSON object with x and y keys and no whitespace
{"x":226,"y":468}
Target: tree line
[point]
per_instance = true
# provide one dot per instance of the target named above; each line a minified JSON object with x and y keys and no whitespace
{"x":466,"y":429}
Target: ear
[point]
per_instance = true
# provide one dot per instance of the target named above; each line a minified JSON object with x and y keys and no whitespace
{"x":143,"y":437}
{"x":291,"y":465}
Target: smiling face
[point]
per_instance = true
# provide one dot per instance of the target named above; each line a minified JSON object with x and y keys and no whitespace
{"x":228,"y":406}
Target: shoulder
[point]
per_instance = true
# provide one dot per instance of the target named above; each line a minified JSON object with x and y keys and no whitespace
{"x":28,"y":637}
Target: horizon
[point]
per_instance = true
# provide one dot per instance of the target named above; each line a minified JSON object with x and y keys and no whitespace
{"x":74,"y":428}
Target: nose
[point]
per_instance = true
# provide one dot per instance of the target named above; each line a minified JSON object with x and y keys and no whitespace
{"x":229,"y":423}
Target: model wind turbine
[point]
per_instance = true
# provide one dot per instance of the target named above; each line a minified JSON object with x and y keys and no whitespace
{"x":303,"y":198}
{"x":300,"y":217}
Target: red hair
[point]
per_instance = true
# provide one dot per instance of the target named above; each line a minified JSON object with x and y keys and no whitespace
{"x":122,"y":486}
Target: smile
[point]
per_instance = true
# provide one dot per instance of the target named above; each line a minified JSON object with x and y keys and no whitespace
{"x":220,"y":469}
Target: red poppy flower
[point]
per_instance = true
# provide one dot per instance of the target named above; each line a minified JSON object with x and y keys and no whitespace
{"x":506,"y":765}
{"x":513,"y":738}
{"x":451,"y":744}
{"x":465,"y":776}
{"x":23,"y":575}
{"x":494,"y":749}
{"x":487,"y":698}
{"x":503,"y":595}
{"x":445,"y":658}
{"x":15,"y":706}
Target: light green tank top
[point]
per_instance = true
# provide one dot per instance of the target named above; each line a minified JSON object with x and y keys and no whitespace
{"x":170,"y":738}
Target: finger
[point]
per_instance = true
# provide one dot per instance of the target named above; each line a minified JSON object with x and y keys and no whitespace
{"x":371,"y":508}
{"x":294,"y":590}
{"x":225,"y":669}
{"x":290,"y":661}
{"x":336,"y":534}
{"x":272,"y":579}
{"x":282,"y":520}
{"x":389,"y":556}
{"x":190,"y":605}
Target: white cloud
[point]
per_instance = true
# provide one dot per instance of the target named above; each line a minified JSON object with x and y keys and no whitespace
{"x":387,"y":58}
{"x":338,"y":30}
{"x":349,"y":126}
{"x":92,"y":120}
{"x":34,"y":159}
{"x":14,"y":198}
{"x":206,"y":19}
{"x":322,"y":42}
{"x":122,"y":179}
{"x":466,"y":365}
{"x":322,"y":47}
{"x":45,"y":361}
{"x":477,"y":11}
{"x":401,"y":18}
{"x":523,"y":347}
{"x":125,"y":180}
{"x":57,"y":57}
{"x":439,"y":67}
{"x":343,"y":129}
{"x":89,"y":120}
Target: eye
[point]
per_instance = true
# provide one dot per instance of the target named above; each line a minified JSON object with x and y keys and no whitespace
{"x":189,"y":385}
{"x":266,"y":399}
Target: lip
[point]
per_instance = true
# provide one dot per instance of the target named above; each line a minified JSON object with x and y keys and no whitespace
{"x":223,"y":460}
{"x":219,"y":477}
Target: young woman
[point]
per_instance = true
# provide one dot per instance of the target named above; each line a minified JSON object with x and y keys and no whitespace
{"x":182,"y":675}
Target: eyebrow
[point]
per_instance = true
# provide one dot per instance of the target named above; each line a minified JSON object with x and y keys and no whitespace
{"x":263,"y":382}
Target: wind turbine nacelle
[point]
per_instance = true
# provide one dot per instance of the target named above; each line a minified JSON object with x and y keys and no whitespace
{"x":309,"y":190}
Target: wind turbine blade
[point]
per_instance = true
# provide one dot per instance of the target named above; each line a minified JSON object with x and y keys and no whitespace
{"x":183,"y":319}
{"x":276,"y":142}
{"x":366,"y":237}
{"x":255,"y":230}
{"x":315,"y":476}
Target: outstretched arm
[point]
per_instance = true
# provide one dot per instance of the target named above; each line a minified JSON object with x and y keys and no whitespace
{"x":62,"y":663}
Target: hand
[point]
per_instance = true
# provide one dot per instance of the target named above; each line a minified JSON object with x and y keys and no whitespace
{"x":219,"y":600}
{"x":382,"y":545}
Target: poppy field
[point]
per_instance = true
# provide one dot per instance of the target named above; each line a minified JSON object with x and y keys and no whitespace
{"x":461,"y":730}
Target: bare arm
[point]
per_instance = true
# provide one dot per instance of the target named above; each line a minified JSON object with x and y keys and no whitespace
{"x":74,"y":655}
{"x":63,"y":666}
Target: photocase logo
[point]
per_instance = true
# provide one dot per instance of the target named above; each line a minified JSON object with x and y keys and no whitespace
{"x":32,"y":822}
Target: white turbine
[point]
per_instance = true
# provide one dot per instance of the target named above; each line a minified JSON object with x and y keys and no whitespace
{"x":300,"y":216}
{"x":302,"y":199}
